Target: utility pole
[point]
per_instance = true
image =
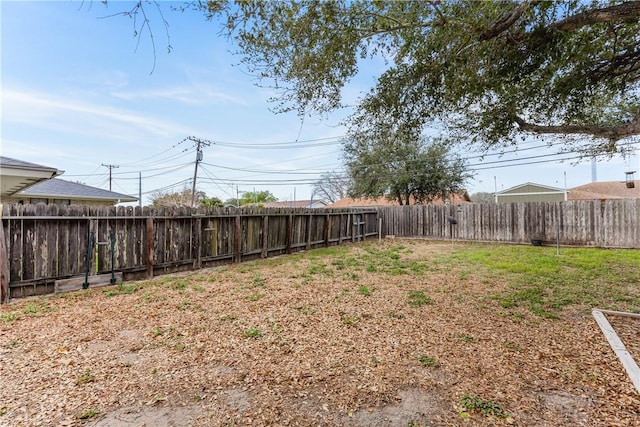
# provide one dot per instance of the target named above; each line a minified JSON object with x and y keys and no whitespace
{"x":110,"y":168}
{"x":140,"y":189}
{"x":199,"y":143}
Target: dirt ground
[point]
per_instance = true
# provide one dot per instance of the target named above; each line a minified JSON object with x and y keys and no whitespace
{"x":320,"y":338}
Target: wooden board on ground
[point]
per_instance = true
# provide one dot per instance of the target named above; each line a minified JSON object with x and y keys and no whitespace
{"x":75,"y":283}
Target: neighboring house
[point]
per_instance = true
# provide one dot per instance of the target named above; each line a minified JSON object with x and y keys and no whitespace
{"x":349,"y":202}
{"x":61,"y":192}
{"x":296,"y":204}
{"x":531,"y":192}
{"x":605,"y":190}
{"x":17,"y":175}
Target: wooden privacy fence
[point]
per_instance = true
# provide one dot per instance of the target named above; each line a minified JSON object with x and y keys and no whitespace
{"x":46,"y":244}
{"x":609,"y":224}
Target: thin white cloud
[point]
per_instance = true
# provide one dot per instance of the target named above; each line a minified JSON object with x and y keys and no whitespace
{"x":187,"y":95}
{"x":49,"y":111}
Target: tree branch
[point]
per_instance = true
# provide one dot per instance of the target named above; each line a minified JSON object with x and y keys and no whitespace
{"x":624,"y":12}
{"x":613,"y":133}
{"x":504,"y":23}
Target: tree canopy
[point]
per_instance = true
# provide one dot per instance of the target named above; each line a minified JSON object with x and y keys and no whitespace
{"x":489,"y":71}
{"x":403,"y":169}
{"x":252,"y":198}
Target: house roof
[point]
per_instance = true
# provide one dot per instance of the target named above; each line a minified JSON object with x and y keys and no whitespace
{"x":21,"y":164}
{"x":296,"y":204}
{"x":59,"y":188}
{"x":18,"y":175}
{"x":605,"y":190}
{"x":518,"y":189}
{"x":349,"y":202}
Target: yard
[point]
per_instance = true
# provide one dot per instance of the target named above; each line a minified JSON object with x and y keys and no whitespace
{"x":392,"y":333}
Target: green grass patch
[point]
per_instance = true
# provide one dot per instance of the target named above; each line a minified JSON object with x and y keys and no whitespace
{"x":364,"y":290}
{"x":472,"y":403}
{"x":545,"y":283}
{"x":85,"y":377}
{"x":8,"y":317}
{"x":38,"y":307}
{"x":428,"y":361}
{"x":252,"y":333}
{"x":121,"y":289}
{"x":254,"y":296}
{"x":179,"y":285}
{"x":418,"y":299}
{"x":258,"y":281}
{"x":88,"y":414}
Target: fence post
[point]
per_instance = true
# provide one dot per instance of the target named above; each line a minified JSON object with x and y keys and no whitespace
{"x":4,"y":265}
{"x":289,"y":233}
{"x":353,"y":227}
{"x":265,"y":236}
{"x":149,"y":233}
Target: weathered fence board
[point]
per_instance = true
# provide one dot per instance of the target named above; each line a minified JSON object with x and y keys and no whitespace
{"x":611,"y":224}
{"x":46,"y":244}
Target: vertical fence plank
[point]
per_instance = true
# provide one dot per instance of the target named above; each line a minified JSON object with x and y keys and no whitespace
{"x":289,"y":233}
{"x":327,"y":230}
{"x":197,"y":243}
{"x":265,"y":236}
{"x":237,"y":239}
{"x":149,"y":246}
{"x":308,"y":220}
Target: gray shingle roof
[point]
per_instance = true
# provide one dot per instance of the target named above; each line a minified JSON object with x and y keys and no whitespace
{"x":15,"y":163}
{"x":73,"y":190}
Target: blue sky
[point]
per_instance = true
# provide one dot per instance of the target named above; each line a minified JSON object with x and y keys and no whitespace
{"x":77,"y":94}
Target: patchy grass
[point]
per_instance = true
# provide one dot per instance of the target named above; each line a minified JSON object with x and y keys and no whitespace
{"x":88,"y":414}
{"x":122,"y":289}
{"x":428,"y":361}
{"x":252,"y":333}
{"x":8,"y":317}
{"x":364,"y":290}
{"x":473,"y":403}
{"x":418,"y":299}
{"x":85,"y":377}
{"x":545,"y":283}
{"x":38,"y":307}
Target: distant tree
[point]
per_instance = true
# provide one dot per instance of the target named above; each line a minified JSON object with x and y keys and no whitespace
{"x":251,"y":198}
{"x":232,"y":202}
{"x":331,"y":187}
{"x":179,"y":199}
{"x":482,"y":197}
{"x":404,"y":169}
{"x":257,"y":198}
{"x":211,"y":202}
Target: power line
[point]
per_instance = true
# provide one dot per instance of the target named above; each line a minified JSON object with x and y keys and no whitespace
{"x":155,"y":155}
